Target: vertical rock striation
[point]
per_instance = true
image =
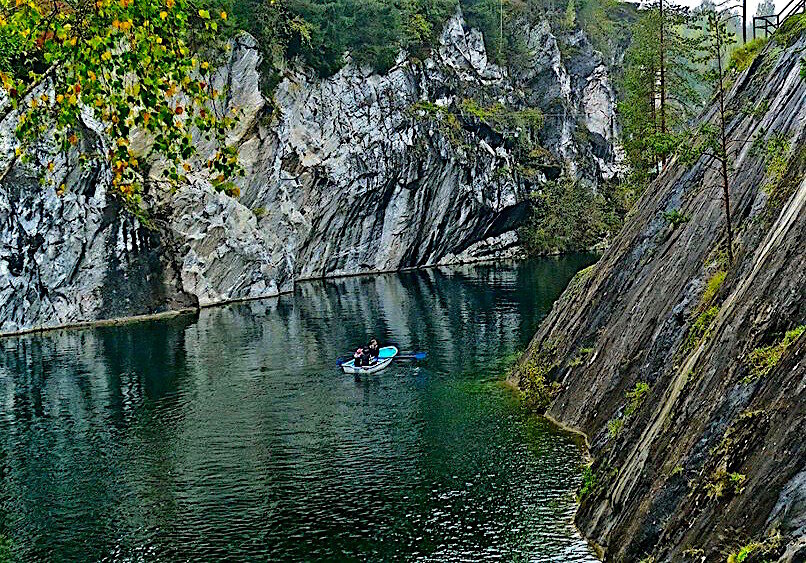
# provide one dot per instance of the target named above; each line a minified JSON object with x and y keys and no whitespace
{"x":697,"y":452}
{"x":356,"y":173}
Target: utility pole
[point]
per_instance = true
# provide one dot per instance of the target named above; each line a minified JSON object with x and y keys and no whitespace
{"x":744,"y":22}
{"x":501,"y":30}
{"x":662,"y":75}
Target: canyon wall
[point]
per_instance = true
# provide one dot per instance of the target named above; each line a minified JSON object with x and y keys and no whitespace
{"x":687,"y":372}
{"x":356,"y":173}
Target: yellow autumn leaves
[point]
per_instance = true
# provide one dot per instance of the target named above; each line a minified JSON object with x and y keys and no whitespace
{"x":88,"y":58}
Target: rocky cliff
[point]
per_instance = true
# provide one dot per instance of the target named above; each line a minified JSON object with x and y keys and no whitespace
{"x":686,"y":372}
{"x":357,"y":173}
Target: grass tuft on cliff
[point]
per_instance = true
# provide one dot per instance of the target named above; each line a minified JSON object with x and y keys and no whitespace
{"x":768,"y":550}
{"x":763,"y":360}
{"x":588,"y":482}
{"x":791,"y":30}
{"x":744,"y":56}
{"x":538,"y":391}
{"x":713,"y":285}
{"x":635,"y":398}
{"x":701,"y":328}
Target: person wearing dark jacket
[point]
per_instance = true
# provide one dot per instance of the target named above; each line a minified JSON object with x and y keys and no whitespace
{"x":373,"y":350}
{"x":368,"y":354}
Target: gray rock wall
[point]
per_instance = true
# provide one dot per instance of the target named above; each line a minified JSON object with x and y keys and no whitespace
{"x":343,"y":177}
{"x":713,"y":459}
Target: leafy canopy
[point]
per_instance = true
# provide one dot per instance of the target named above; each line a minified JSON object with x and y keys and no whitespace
{"x":127,"y":63}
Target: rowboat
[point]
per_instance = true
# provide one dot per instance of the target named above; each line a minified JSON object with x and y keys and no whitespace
{"x":385,"y":357}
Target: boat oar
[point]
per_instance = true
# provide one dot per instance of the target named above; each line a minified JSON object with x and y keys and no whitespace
{"x":405,"y":356}
{"x":411,"y":356}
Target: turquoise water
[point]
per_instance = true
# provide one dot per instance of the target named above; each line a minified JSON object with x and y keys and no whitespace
{"x":232,"y":436}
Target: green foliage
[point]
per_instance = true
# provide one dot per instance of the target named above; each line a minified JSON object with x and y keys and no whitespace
{"x":320,"y":33}
{"x":487,"y":16}
{"x":737,"y":481}
{"x":744,"y":56}
{"x":538,"y":391}
{"x":599,"y":20}
{"x":654,"y":116}
{"x":503,"y":22}
{"x":636,"y":397}
{"x":567,"y":216}
{"x":700,"y":329}
{"x":722,"y":482}
{"x":589,"y":482}
{"x":776,"y":157}
{"x":743,"y":553}
{"x":762,"y":361}
{"x":675,"y":217}
{"x":570,"y":15}
{"x":790,"y":30}
{"x":614,"y":427}
{"x":594,"y":480}
{"x":517,"y":126}
{"x":768,"y":550}
{"x":281,"y":33}
{"x":130,"y":62}
{"x":443,"y":117}
{"x":579,"y":359}
{"x":712,"y":286}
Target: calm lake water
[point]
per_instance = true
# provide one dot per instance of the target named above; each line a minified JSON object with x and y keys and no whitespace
{"x":232,"y":435}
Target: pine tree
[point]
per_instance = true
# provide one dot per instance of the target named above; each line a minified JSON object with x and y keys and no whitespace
{"x":765,"y":8}
{"x":658,"y":85}
{"x":714,"y":143}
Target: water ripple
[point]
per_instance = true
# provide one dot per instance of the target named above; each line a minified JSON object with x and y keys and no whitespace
{"x":231,"y":436}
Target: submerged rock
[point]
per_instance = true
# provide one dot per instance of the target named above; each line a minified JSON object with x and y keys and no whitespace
{"x":343,"y":176}
{"x":697,"y":453}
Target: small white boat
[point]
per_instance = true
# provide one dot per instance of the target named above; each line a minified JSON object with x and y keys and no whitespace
{"x":385,"y":357}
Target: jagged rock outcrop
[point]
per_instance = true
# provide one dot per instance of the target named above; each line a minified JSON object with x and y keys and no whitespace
{"x":696,"y":452}
{"x":343,"y":176}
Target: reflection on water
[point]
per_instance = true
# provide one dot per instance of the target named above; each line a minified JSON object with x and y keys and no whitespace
{"x":232,"y":436}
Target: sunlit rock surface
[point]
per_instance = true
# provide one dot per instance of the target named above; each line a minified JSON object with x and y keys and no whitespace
{"x":343,"y":177}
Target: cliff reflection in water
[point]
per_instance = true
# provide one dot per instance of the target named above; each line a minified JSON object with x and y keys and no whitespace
{"x":231,"y":434}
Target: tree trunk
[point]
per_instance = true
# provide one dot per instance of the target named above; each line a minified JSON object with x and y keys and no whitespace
{"x":724,"y":144}
{"x":662,"y":75}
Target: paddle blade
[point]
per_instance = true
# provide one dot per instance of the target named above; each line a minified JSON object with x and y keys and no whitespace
{"x":411,"y":356}
{"x":340,"y":361}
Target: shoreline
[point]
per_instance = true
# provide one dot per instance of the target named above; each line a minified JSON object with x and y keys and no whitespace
{"x":115,"y":321}
{"x":582,"y":439}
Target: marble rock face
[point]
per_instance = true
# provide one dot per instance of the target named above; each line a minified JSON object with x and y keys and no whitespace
{"x":343,"y":176}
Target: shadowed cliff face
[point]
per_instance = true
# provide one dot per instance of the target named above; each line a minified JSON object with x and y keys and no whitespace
{"x":345,"y":176}
{"x":710,"y":454}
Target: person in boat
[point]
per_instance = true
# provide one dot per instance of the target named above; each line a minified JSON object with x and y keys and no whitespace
{"x":367,"y":355}
{"x":373,"y":349}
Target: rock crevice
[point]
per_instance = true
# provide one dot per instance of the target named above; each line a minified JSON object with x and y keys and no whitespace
{"x":713,"y":457}
{"x":343,"y":177}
